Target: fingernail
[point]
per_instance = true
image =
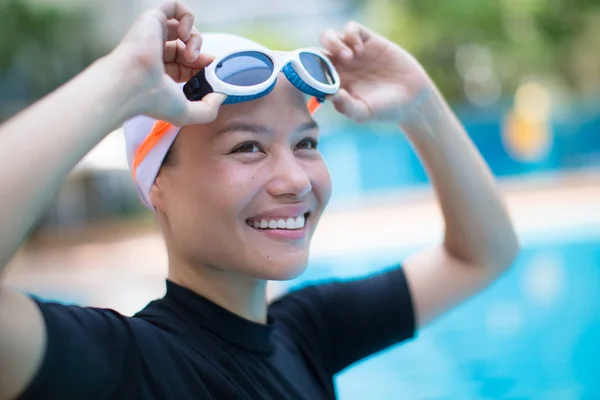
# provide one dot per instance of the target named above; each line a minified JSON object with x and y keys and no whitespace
{"x":358,"y":49}
{"x":346,"y":54}
{"x":196,"y":54}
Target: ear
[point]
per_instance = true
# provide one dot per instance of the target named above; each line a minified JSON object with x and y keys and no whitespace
{"x":157,"y":194}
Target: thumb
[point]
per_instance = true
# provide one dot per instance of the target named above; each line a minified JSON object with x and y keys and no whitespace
{"x":349,"y":106}
{"x":205,"y":110}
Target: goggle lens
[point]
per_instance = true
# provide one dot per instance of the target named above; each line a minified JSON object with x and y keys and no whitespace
{"x":317,"y":68}
{"x":247,"y":68}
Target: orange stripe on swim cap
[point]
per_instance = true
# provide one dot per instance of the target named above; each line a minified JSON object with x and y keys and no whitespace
{"x":158,"y":131}
{"x":312,"y":105}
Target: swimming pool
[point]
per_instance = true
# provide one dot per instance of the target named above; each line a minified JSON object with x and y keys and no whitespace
{"x":368,"y":159}
{"x":532,"y":335}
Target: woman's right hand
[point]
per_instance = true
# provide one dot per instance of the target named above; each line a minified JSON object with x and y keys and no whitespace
{"x":161,"y":49}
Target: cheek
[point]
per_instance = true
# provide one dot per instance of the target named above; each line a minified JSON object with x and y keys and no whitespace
{"x":321,"y":182}
{"x":206,"y":204}
{"x":226,"y":188}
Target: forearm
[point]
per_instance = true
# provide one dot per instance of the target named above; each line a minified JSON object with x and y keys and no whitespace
{"x":478,"y":229}
{"x":40,"y":146}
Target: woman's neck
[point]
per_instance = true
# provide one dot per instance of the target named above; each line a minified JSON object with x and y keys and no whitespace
{"x":239,"y":294}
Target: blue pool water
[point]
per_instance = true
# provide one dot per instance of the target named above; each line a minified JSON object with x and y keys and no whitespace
{"x":534,"y":334}
{"x":371,"y":158}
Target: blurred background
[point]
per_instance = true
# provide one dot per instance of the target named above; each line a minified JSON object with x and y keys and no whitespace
{"x":524,"y":78}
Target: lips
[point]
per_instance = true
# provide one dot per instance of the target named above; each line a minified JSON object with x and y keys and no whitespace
{"x":282,"y":223}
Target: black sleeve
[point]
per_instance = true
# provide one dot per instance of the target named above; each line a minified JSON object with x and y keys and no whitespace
{"x":342,"y":322}
{"x":89,"y":354}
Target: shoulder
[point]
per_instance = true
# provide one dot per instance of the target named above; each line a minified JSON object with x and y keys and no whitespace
{"x":382,"y":297}
{"x":91,"y":323}
{"x":78,"y":340}
{"x":343,"y":321}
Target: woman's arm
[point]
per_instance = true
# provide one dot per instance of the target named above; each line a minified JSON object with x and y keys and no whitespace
{"x":480,"y":241}
{"x":39,"y":147}
{"x":380,"y":81}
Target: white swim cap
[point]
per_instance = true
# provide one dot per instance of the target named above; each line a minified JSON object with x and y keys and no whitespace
{"x":137,"y":129}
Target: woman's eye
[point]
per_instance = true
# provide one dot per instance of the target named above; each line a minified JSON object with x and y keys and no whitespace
{"x":307,"y":144}
{"x":248,"y":147}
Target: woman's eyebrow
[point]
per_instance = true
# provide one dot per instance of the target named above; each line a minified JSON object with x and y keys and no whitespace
{"x":243,"y":127}
{"x":308,"y":126}
{"x":260,"y":129}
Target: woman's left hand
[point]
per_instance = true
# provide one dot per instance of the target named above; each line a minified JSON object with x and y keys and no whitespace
{"x":379,"y":79}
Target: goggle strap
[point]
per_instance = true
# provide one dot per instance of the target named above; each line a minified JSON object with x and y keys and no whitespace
{"x":197,"y":87}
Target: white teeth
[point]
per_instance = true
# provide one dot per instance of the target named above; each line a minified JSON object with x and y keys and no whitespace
{"x":289,"y":223}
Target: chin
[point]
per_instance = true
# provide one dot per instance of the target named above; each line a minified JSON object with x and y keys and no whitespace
{"x":283,"y":268}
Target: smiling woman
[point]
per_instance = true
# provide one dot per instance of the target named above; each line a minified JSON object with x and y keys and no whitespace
{"x":260,"y":161}
{"x":238,"y":200}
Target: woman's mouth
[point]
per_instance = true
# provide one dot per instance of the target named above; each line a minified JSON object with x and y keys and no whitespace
{"x":283,"y":228}
{"x":280,"y":223}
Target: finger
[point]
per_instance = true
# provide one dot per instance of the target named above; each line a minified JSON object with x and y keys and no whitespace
{"x":349,"y":106}
{"x":143,"y":28}
{"x":333,"y":43}
{"x":204,"y":111}
{"x":187,"y":73}
{"x":352,"y":37}
{"x":175,"y":52}
{"x":172,"y":29}
{"x":176,"y":109}
{"x":177,"y":72}
{"x":180,"y":73}
{"x":193,"y":45}
{"x":180,"y":12}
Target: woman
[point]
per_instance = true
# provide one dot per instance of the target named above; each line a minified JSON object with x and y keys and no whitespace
{"x":230,"y":168}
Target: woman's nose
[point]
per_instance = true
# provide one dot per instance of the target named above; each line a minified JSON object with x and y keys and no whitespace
{"x":290,"y":177}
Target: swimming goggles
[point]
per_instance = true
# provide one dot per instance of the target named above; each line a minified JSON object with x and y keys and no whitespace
{"x":246,"y":75}
{"x":249,"y":74}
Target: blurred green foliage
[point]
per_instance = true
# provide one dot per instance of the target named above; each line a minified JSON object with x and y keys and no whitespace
{"x":556,"y":40}
{"x":41,"y":47}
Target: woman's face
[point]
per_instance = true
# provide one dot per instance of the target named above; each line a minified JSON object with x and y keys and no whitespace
{"x":246,"y":191}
